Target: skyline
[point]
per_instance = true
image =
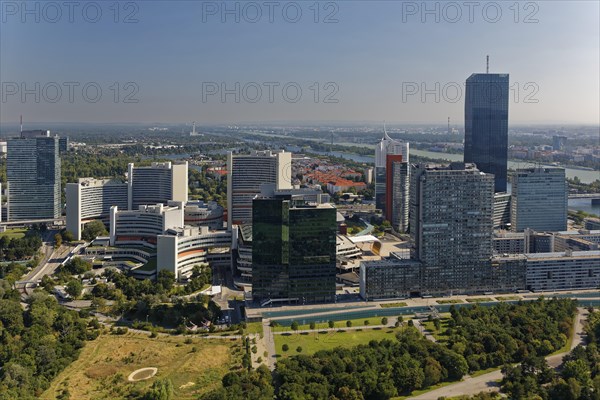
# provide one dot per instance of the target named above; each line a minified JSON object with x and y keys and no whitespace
{"x":377,"y":60}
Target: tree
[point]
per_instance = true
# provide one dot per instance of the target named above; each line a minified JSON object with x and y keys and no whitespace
{"x":294,"y":325}
{"x":165,"y":280}
{"x":93,"y":229}
{"x":162,"y":389}
{"x":331,"y":324}
{"x":299,"y":349}
{"x":285,"y":347}
{"x":312,"y":325}
{"x":67,"y":236}
{"x":58,"y":240}
{"x":366,"y":322}
{"x":348,"y":324}
{"x":384,"y":321}
{"x":74,"y":288}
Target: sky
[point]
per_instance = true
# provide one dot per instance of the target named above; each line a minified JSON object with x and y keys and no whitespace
{"x":270,"y":61}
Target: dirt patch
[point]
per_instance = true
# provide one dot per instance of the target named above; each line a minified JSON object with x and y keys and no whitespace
{"x":141,"y":374}
{"x":187,"y":385}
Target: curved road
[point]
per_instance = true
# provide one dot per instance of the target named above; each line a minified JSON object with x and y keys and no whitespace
{"x":488,"y":382}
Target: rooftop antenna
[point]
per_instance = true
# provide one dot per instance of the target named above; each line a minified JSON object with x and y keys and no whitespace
{"x":194,"y":128}
{"x":448,"y":124}
{"x":487,"y":64}
{"x":21,"y":124}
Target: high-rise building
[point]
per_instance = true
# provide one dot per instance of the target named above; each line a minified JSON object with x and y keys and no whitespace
{"x":397,"y":189}
{"x":245,"y":174}
{"x":91,"y":199}
{"x":559,"y":142}
{"x":501,"y":210}
{"x":293,"y":251}
{"x":33,"y":176}
{"x":387,"y":146}
{"x":451,"y":225}
{"x":486,"y":125}
{"x":539,"y":199}
{"x":159,"y":183}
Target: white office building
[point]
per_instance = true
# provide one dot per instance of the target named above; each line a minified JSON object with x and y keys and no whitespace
{"x":246,"y":173}
{"x":91,"y":199}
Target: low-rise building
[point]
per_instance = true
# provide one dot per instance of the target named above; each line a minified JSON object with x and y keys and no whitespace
{"x":142,"y":226}
{"x":389,"y":278}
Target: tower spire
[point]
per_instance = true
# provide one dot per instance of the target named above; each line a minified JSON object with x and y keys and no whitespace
{"x":487,"y":64}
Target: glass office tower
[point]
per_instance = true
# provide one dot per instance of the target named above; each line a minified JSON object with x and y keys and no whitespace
{"x":293,"y":250}
{"x":33,"y":175}
{"x":486,"y":125}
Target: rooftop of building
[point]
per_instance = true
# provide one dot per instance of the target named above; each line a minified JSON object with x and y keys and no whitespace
{"x":100,"y":182}
{"x":551,"y":256}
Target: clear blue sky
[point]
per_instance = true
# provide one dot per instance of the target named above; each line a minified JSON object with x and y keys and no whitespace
{"x":370,"y":53}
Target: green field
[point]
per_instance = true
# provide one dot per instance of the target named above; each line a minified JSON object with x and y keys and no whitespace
{"x":254,"y":327}
{"x":373,"y":321}
{"x":430,"y":326}
{"x":393,"y":305}
{"x":14,"y":233}
{"x":330,"y":339}
{"x":452,"y":301}
{"x":508,"y":298}
{"x":479,"y":300}
{"x":194,"y":367}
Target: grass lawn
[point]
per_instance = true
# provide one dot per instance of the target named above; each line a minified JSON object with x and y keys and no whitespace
{"x":567,"y":346}
{"x":327,"y":340}
{"x":479,"y":299}
{"x":508,"y":298}
{"x":429,"y":325}
{"x":338,"y":324}
{"x":254,"y":327}
{"x":392,"y":305}
{"x":453,"y":301}
{"x":15,"y":233}
{"x":104,"y":364}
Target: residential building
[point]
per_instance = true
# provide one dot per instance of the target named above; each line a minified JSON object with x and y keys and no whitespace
{"x":539,"y":199}
{"x":451,"y":225}
{"x":486,"y":125}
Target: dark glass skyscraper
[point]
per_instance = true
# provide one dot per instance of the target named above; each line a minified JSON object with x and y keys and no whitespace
{"x":486,"y":125}
{"x":293,"y":250}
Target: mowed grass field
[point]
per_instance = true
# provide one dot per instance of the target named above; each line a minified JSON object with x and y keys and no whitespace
{"x":15,"y":233}
{"x":104,"y":364}
{"x":330,"y":339}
